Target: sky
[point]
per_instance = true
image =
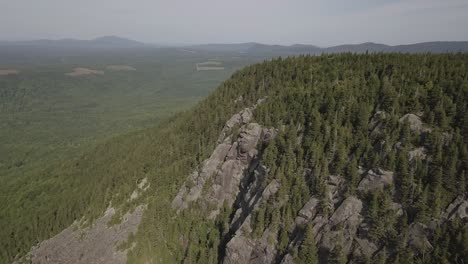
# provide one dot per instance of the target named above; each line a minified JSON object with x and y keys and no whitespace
{"x":317,"y":22}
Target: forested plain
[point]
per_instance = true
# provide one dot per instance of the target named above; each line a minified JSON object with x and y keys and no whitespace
{"x":49,"y":117}
{"x":322,"y":107}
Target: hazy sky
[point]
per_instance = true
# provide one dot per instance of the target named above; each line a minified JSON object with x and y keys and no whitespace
{"x":316,"y":22}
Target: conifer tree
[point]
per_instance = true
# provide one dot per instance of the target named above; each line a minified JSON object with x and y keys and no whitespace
{"x":308,"y":253}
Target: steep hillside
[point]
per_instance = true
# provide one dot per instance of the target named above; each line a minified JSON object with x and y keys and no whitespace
{"x":334,"y":158}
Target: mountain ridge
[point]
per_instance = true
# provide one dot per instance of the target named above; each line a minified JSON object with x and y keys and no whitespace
{"x":255,"y":48}
{"x":104,"y":40}
{"x":295,"y":49}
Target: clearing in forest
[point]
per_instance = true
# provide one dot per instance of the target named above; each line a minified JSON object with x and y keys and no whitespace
{"x":8,"y":72}
{"x":84,"y":71}
{"x":209,"y":66}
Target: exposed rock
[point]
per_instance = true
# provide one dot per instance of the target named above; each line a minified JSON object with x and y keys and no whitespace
{"x":234,"y":157}
{"x":348,"y":213}
{"x":270,"y":190}
{"x":457,"y":209}
{"x":95,"y":244}
{"x":241,"y":118}
{"x":242,"y":248}
{"x":239,"y":99}
{"x":418,"y":153}
{"x":335,"y":188}
{"x":142,"y":186}
{"x":363,"y":248}
{"x":376,"y":123}
{"x":447,"y":138}
{"x":416,"y":125}
{"x":375,"y":180}
{"x":248,"y":140}
{"x":226,"y":183}
{"x":308,"y":211}
{"x":197,"y":180}
{"x":268,"y":134}
{"x":347,"y":216}
{"x":238,"y":250}
{"x":397,"y":208}
{"x":377,"y":118}
{"x":417,"y":237}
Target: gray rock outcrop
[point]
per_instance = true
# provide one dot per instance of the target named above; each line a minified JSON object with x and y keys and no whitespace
{"x":94,"y":244}
{"x":415,"y":123}
{"x":375,"y":179}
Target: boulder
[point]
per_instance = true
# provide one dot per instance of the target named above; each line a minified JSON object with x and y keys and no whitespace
{"x":308,"y":211}
{"x":363,"y":248}
{"x":418,"y":153}
{"x":335,"y":188}
{"x":417,"y":238}
{"x":416,"y":125}
{"x":397,"y":208}
{"x":268,"y":134}
{"x":375,"y":180}
{"x":238,"y":250}
{"x":348,"y":213}
{"x":457,"y":209}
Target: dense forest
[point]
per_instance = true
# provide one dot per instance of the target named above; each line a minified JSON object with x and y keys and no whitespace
{"x":338,"y":121}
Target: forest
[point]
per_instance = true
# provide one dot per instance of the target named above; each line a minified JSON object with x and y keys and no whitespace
{"x":334,"y":115}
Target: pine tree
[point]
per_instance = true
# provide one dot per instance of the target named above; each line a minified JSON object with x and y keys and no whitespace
{"x":308,"y":253}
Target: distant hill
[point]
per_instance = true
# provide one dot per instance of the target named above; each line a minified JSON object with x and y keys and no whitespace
{"x":278,"y":50}
{"x":22,"y":52}
{"x":97,"y":42}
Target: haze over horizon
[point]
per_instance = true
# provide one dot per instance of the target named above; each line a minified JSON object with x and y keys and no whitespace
{"x":322,"y":23}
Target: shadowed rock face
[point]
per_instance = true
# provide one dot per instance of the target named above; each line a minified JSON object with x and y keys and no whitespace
{"x":95,"y":244}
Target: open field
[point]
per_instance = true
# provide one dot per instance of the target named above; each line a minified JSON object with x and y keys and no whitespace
{"x":8,"y":72}
{"x":84,"y":71}
{"x":209,"y":66}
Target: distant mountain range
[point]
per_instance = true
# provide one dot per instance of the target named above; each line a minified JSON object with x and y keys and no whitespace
{"x":263,"y":49}
{"x":20,"y":51}
{"x":105,"y":41}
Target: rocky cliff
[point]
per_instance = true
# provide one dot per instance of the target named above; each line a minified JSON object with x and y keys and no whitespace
{"x":234,"y":176}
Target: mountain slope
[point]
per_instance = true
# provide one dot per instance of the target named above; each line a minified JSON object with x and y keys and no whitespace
{"x":335,"y":155}
{"x":331,"y":158}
